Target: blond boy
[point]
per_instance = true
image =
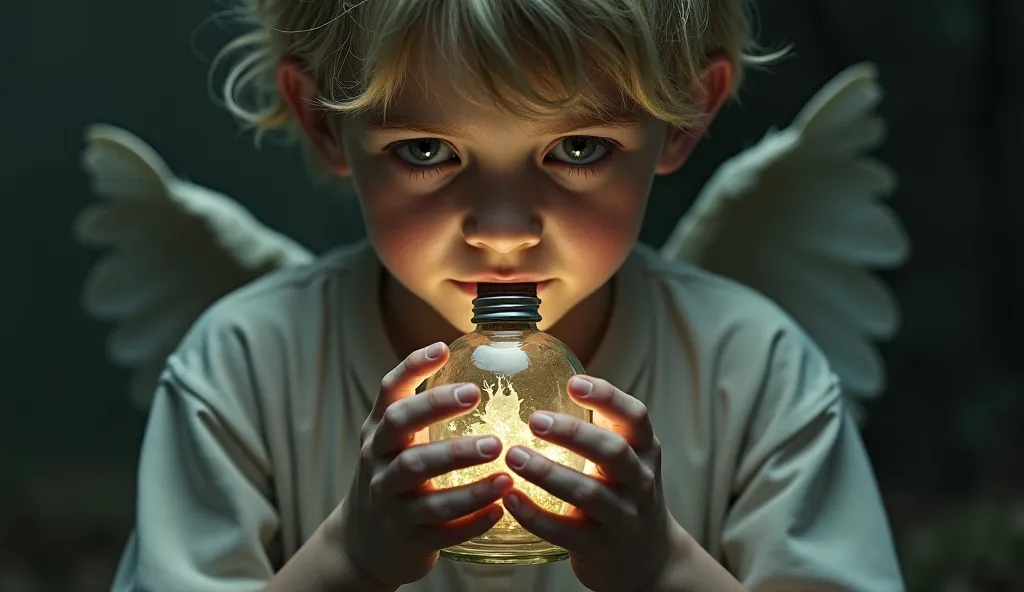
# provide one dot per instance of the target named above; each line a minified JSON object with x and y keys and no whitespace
{"x":499,"y":140}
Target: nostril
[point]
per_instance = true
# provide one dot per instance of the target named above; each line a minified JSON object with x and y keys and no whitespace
{"x":502,"y":237}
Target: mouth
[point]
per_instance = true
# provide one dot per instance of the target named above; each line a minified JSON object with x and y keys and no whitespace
{"x":469,"y":288}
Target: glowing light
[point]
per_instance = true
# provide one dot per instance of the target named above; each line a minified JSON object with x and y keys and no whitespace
{"x":507,"y":356}
{"x":500,"y":416}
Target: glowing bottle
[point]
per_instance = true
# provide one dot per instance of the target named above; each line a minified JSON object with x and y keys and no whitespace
{"x":519,"y":370}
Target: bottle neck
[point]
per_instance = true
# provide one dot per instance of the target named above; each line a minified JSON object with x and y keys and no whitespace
{"x":502,"y":305}
{"x":506,"y":327}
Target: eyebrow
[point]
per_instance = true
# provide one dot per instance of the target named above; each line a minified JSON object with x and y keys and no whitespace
{"x":404,"y":124}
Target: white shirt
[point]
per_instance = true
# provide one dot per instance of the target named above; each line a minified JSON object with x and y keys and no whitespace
{"x":254,"y":433}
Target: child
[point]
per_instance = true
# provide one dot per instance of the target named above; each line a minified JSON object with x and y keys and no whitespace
{"x":500,"y":140}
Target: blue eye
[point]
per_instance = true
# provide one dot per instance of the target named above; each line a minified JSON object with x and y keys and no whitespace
{"x":423,"y":152}
{"x":580,"y":150}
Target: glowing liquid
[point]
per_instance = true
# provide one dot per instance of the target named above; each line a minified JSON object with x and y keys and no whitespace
{"x":518,"y":372}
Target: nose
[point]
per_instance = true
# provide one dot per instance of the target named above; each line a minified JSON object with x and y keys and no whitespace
{"x":504,"y":227}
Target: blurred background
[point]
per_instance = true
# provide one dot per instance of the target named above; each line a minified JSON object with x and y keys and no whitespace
{"x":945,"y":438}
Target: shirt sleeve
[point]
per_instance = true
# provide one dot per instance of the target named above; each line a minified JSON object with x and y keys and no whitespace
{"x":205,"y":519}
{"x":806,"y":513}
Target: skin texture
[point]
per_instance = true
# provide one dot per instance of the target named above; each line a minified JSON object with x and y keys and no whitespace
{"x":455,"y":193}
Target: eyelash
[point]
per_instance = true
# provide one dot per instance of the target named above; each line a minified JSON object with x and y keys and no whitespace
{"x":572,"y":170}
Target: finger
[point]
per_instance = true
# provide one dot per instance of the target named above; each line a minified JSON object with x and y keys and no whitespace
{"x":607,"y":449}
{"x":422,"y":462}
{"x":612,"y":454}
{"x":627,"y":416}
{"x":404,"y":418}
{"x":590,"y":496}
{"x":459,"y":530}
{"x":440,"y":506}
{"x":574,"y":533}
{"x":403,"y":379}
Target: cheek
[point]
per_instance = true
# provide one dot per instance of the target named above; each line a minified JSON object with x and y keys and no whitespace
{"x":596,"y":231}
{"x":409,"y":232}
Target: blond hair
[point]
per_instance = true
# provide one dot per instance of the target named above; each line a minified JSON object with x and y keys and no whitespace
{"x":530,"y":57}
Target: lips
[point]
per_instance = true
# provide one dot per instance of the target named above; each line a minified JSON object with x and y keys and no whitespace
{"x":470,"y":287}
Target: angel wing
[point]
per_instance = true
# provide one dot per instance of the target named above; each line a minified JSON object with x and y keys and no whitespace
{"x":797,"y":218}
{"x":172,"y":249}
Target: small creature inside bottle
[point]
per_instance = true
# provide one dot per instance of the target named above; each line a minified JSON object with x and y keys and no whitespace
{"x":519,"y":370}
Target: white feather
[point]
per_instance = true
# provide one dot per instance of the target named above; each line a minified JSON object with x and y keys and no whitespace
{"x":798,"y":218}
{"x":172,"y":249}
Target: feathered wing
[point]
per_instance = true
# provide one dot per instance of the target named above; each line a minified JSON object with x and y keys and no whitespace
{"x":172,"y":248}
{"x":798,"y":218}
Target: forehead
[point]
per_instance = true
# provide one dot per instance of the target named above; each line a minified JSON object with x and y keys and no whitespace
{"x":430,"y":93}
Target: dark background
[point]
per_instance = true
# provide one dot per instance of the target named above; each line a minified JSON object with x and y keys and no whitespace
{"x":944,"y":438}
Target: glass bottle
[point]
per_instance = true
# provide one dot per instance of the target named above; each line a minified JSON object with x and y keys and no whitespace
{"x":519,"y":370}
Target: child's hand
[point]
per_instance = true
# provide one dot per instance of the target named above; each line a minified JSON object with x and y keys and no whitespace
{"x":393,"y":521}
{"x":621,"y":536}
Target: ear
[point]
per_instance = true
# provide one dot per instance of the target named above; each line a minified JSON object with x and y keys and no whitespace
{"x":300,"y":92}
{"x":711,"y":93}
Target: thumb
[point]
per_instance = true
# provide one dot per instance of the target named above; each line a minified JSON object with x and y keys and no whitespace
{"x":403,"y":379}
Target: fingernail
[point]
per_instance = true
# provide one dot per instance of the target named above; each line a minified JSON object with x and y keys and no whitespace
{"x":501,"y":483}
{"x":517,"y":458}
{"x":488,"y":446}
{"x":541,"y":422}
{"x":434,"y":352}
{"x":465,"y":395}
{"x":511,"y":501}
{"x":581,"y":387}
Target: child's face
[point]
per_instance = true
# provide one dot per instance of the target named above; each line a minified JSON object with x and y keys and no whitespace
{"x":454,"y":194}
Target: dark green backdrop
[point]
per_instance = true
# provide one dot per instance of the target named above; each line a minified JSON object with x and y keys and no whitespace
{"x":943,"y":438}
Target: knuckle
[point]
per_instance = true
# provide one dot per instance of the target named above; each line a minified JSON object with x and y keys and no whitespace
{"x":437,"y":398}
{"x":647,"y":480}
{"x":366,"y":431}
{"x":434,"y":509}
{"x":571,"y":429}
{"x":376,"y":487}
{"x":394,"y":417}
{"x":640,"y":412}
{"x":461,"y":448}
{"x":656,"y":449}
{"x":483,"y":490}
{"x":410,"y":462}
{"x":588,"y":490}
{"x":616,"y":448}
{"x":630,"y":515}
{"x":391,"y":378}
{"x":539,"y":466}
{"x":367,"y":459}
